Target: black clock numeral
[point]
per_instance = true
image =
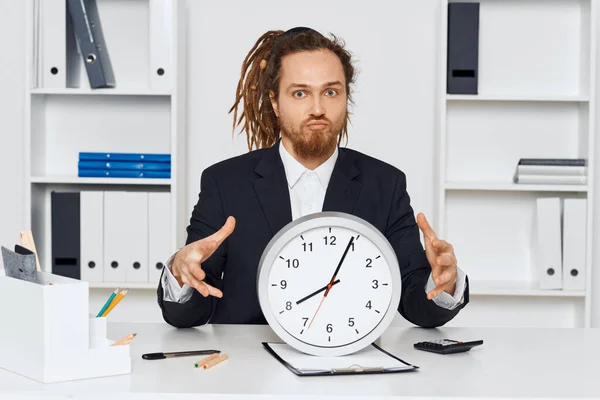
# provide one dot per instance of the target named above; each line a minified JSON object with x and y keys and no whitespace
{"x":369,"y":262}
{"x":329,"y":328}
{"x":295,"y":263}
{"x":350,"y":321}
{"x":329,"y":240}
{"x":375,"y":284}
{"x":288,"y":305}
{"x":305,"y":321}
{"x":307,"y":246}
{"x":283,"y":284}
{"x":352,"y":246}
{"x":368,"y":304}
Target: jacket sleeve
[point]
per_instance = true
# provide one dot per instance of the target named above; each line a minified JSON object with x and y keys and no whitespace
{"x":207,"y":218}
{"x":403,"y":234}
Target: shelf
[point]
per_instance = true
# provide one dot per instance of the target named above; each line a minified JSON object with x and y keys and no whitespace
{"x":512,"y":187}
{"x":532,"y":98}
{"x":106,"y":92}
{"x":66,"y":179}
{"x":122,"y":285}
{"x":516,"y":288}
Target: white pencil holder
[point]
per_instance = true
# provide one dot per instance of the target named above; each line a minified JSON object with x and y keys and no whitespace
{"x":97,"y":332}
{"x":48,"y":335}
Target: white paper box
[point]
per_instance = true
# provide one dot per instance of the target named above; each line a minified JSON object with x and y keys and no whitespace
{"x":46,"y":330}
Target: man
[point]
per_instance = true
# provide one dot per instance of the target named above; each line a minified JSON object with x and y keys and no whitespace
{"x":295,"y":96}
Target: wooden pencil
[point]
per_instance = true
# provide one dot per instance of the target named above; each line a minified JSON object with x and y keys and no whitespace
{"x":215,"y":361}
{"x":125,"y":340}
{"x":200,"y":364}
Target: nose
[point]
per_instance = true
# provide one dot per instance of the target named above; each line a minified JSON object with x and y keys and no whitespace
{"x":317,"y":109}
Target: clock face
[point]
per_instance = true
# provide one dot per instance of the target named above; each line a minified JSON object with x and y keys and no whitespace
{"x":330,"y":286}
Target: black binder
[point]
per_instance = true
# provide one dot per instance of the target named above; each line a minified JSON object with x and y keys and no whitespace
{"x":85,"y":20}
{"x":66,"y":247}
{"x":347,"y":370}
{"x":463,"y":48}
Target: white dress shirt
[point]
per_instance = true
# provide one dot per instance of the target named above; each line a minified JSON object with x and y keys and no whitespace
{"x":307,"y":190}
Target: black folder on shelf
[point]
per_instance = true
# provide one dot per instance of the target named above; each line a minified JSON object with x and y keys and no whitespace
{"x":85,"y":20}
{"x":371,"y":360}
{"x":463,"y":48}
{"x":66,"y":233}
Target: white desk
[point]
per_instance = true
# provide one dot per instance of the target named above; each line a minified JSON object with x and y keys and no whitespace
{"x":524,"y":363}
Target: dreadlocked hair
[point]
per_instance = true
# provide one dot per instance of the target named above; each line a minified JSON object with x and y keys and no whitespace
{"x":261,"y":73}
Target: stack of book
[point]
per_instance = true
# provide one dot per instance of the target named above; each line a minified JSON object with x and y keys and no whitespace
{"x":124,"y":165}
{"x":551,"y":171}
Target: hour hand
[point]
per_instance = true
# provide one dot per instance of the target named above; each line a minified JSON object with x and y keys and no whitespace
{"x":316,"y":292}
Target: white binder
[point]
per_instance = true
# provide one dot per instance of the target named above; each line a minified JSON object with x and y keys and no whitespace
{"x":574,"y":243}
{"x":91,"y":235}
{"x":53,"y":17}
{"x":159,"y":233}
{"x":160,"y":34}
{"x":126,"y":237}
{"x":547,"y":244}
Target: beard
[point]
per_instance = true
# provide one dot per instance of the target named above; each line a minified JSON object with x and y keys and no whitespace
{"x":310,"y":143}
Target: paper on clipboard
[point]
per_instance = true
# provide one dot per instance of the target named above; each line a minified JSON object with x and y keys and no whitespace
{"x":369,"y":359}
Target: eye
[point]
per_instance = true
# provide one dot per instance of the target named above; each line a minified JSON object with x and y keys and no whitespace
{"x":299,"y":94}
{"x":331,"y":92}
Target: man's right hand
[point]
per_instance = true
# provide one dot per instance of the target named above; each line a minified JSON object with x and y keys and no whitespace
{"x":187,"y":265}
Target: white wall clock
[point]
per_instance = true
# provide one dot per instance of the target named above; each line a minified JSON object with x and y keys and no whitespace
{"x":329,"y":283}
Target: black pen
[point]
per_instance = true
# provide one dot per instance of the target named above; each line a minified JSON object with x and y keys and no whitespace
{"x":160,"y":356}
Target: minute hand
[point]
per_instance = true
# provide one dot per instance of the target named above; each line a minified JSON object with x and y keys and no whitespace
{"x":338,"y":267}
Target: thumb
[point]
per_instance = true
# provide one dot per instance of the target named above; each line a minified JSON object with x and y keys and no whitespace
{"x":222,"y":234}
{"x":207,"y":246}
{"x":425,"y":227}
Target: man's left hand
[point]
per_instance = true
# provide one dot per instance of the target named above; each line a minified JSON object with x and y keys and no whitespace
{"x":440,"y":255}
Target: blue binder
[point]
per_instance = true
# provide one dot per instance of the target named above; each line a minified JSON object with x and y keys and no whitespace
{"x":146,"y":157}
{"x":125,"y":165}
{"x":100,"y":173}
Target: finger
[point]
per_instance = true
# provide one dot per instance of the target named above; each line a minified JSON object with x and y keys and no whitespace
{"x":444,"y":278}
{"x":441,"y":246}
{"x":437,"y":291}
{"x":446,"y":260}
{"x":197,"y":272}
{"x":425,"y":227}
{"x":204,"y":288}
{"x":222,"y":234}
{"x":197,"y":284}
{"x":200,"y":275}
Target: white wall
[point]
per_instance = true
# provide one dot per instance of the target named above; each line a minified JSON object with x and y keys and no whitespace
{"x":393,"y":117}
{"x":394,"y":100}
{"x":12,"y":97}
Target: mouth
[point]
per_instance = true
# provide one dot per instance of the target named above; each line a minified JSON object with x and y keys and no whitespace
{"x":317,"y":125}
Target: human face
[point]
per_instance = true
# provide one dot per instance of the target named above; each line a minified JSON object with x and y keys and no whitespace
{"x":312,"y":103}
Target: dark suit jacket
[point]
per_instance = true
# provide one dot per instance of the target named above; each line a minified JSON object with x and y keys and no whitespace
{"x":253,"y":188}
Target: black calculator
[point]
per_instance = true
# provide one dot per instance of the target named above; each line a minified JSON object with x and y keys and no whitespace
{"x":447,"y":346}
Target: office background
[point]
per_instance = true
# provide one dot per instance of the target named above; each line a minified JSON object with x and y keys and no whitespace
{"x":396,"y":119}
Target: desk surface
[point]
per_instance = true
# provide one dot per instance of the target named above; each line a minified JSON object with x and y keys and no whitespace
{"x":512,"y":362}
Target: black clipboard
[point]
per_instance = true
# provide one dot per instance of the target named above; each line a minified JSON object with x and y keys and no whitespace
{"x":352,"y":370}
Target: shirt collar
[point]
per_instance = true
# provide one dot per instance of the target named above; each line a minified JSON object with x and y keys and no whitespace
{"x":294,"y":170}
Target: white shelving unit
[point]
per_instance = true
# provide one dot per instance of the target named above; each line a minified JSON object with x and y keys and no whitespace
{"x":137,"y":116}
{"x":536,"y":99}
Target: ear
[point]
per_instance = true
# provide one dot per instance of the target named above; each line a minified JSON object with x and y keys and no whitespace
{"x":274,"y":103}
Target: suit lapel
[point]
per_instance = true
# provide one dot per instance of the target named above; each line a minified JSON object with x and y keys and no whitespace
{"x":272,"y":189}
{"x":343,"y":191}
